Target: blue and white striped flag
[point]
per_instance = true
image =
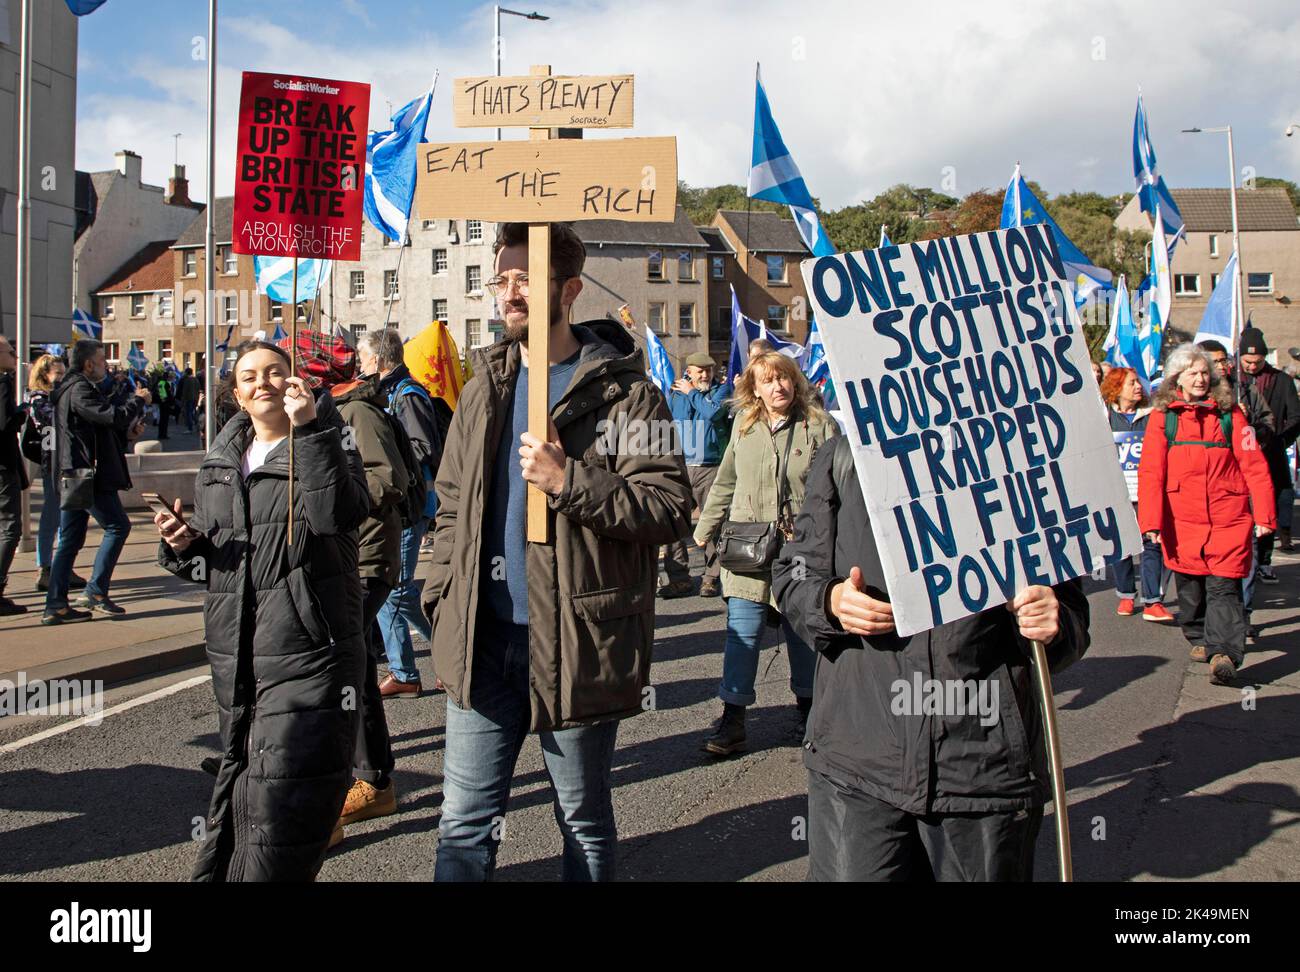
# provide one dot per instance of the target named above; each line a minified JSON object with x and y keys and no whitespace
{"x":813,"y":361}
{"x":1153,"y":194}
{"x":1219,"y":320}
{"x":774,"y":176}
{"x":1126,"y":348}
{"x":661,"y":367}
{"x":391,"y":162}
{"x":85,"y":326}
{"x":275,"y":277}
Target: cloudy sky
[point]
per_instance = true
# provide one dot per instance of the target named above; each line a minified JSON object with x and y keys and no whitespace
{"x":946,"y":93}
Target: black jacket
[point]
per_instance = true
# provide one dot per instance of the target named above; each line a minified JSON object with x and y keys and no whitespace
{"x":11,"y":425}
{"x":420,"y":416}
{"x":89,"y":431}
{"x":284,"y":638}
{"x":1278,"y":390}
{"x":919,"y":763}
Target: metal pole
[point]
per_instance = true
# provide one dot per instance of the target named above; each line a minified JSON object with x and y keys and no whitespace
{"x":1060,"y":810}
{"x":1240,"y":303}
{"x":22,"y":302}
{"x":209,"y":244}
{"x":496,"y":47}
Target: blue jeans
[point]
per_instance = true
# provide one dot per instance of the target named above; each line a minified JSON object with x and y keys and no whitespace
{"x":191,"y":414}
{"x":1248,"y":582}
{"x":401,"y":610}
{"x":482,"y":746}
{"x":1285,"y":508}
{"x":48,"y":529}
{"x":740,"y":657}
{"x":108,"y":513}
{"x":1152,"y":562}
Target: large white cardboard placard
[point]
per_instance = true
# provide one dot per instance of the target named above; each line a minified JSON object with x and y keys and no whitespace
{"x":979,"y":441}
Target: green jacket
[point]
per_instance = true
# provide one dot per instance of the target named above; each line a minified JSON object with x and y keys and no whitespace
{"x":745,"y":489}
{"x":362,"y":408}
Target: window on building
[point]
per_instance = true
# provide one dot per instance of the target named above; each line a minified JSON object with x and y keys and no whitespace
{"x":776,"y":317}
{"x":385,"y":241}
{"x":137,"y":305}
{"x":137,"y":348}
{"x":302,"y":311}
{"x":654,"y":264}
{"x":165,"y":350}
{"x":390,"y":285}
{"x":474,"y":332}
{"x":440,"y":310}
{"x":775,"y":269}
{"x":685,"y":266}
{"x":230,"y":309}
{"x":1187,"y":285}
{"x":495,"y":328}
{"x":112,"y":352}
{"x":356,"y":330}
{"x":473,"y":231}
{"x":656,"y":316}
{"x":686,"y":317}
{"x":189,"y":263}
{"x":473,"y":280}
{"x":105,"y":308}
{"x":191,"y":312}
{"x":357,"y":284}
{"x":1259,"y":284}
{"x":165,"y":304}
{"x":274,"y":310}
{"x":439,"y":261}
{"x":717,"y":267}
{"x":1214,"y":281}
{"x":229,"y":260}
{"x":427,"y":224}
{"x":1214,"y":245}
{"x":722,"y":321}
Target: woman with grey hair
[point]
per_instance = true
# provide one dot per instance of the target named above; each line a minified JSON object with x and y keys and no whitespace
{"x":1204,"y":493}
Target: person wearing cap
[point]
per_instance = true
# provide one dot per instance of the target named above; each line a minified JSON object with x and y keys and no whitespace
{"x":1279,"y":392}
{"x":698,"y":408}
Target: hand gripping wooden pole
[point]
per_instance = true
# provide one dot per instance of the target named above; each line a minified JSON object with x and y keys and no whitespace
{"x":1053,"y":738}
{"x":539,"y":345}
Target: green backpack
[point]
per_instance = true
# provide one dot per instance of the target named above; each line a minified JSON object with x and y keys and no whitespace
{"x":1171,"y":432}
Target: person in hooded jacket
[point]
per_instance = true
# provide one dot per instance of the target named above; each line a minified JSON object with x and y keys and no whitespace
{"x":1204,"y":494}
{"x":1126,"y":406}
{"x":283,"y":620}
{"x":553,"y":638}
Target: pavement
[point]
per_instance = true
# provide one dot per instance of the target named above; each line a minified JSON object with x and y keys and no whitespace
{"x":1170,"y":777}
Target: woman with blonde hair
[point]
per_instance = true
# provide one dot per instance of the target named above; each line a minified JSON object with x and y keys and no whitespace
{"x":750,"y":509}
{"x":1204,"y":494}
{"x":45,"y":375}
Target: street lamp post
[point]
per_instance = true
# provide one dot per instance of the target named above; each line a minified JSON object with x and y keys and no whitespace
{"x":209,"y":245}
{"x":1239,"y":305}
{"x":497,"y":11}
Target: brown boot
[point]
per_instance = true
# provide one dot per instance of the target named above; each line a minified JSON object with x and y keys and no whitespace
{"x":366,"y":801}
{"x":1222,"y":670}
{"x":677,"y":589}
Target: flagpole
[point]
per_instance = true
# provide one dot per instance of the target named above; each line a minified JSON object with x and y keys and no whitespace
{"x":22,"y":302}
{"x":293,"y":370}
{"x":209,"y":242}
{"x":1239,"y":304}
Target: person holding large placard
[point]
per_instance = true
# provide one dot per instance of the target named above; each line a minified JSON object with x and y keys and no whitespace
{"x":925,"y":754}
{"x":1205,"y":494}
{"x":555,"y":637}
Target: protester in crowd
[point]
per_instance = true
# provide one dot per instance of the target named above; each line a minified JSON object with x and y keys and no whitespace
{"x":698,"y":407}
{"x":165,"y":394}
{"x":918,"y":796}
{"x":1280,"y":393}
{"x":283,"y":622}
{"x":362,"y":408}
{"x":45,"y":375}
{"x":1097,"y":373}
{"x":1200,"y":476}
{"x":187,"y":394}
{"x":557,"y":636}
{"x":777,"y":430}
{"x":1106,"y":366}
{"x":13,"y":471}
{"x":90,"y":470}
{"x":379,"y":353}
{"x":1127,"y":407}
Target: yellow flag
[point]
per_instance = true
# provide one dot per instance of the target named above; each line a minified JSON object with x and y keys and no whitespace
{"x":434,"y":361}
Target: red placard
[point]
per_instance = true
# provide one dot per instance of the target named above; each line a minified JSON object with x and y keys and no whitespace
{"x":300,"y":172}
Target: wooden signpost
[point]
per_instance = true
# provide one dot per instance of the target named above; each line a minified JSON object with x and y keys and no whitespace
{"x":543,"y":181}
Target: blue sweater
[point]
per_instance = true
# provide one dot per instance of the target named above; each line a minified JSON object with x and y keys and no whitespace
{"x":703,"y":423}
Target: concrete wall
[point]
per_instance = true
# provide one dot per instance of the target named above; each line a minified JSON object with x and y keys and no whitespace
{"x":53,"y":181}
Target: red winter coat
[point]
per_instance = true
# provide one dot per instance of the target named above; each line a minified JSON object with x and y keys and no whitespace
{"x":1200,"y":499}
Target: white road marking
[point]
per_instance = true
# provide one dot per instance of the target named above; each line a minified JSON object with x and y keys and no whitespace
{"x":96,"y":718}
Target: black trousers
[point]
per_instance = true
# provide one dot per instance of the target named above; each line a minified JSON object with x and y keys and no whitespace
{"x":373,"y":759}
{"x":11,"y":528}
{"x":1212,"y":614}
{"x":855,"y":837}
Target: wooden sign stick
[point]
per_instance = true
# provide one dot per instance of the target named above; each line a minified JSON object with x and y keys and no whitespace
{"x":293,"y":370}
{"x":539,"y":345}
{"x":1061,"y":809}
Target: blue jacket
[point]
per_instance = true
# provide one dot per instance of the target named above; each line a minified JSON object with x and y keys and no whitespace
{"x":703,"y":423}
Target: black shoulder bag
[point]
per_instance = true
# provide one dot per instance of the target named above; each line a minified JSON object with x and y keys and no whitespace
{"x":77,"y":486}
{"x":750,"y":548}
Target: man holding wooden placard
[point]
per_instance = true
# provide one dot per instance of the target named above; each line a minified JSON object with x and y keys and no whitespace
{"x":561,"y":477}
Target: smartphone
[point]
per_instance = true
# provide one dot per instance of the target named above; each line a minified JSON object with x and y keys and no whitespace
{"x":156,"y":503}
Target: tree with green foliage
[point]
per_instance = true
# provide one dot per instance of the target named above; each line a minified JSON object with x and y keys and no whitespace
{"x":1292,"y":190}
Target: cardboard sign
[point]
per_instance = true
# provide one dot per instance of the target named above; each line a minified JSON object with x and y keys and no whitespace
{"x":985,"y":458}
{"x":299,"y":177}
{"x":559,"y":101}
{"x":1129,"y":446}
{"x":630,"y":179}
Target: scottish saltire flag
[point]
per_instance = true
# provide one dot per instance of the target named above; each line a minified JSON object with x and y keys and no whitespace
{"x":743,"y":330}
{"x":1159,"y":285}
{"x":884,"y":237}
{"x":1153,"y":194}
{"x":774,"y":176}
{"x":85,"y":326}
{"x":1020,"y":207}
{"x":661,"y":367}
{"x":390,"y":168}
{"x":83,"y":7}
{"x":136,"y":358}
{"x":813,"y":360}
{"x":1126,"y":352}
{"x":1219,"y":320}
{"x":275,"y":277}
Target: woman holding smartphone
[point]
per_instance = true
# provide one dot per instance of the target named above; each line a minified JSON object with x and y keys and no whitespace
{"x":283,"y":620}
